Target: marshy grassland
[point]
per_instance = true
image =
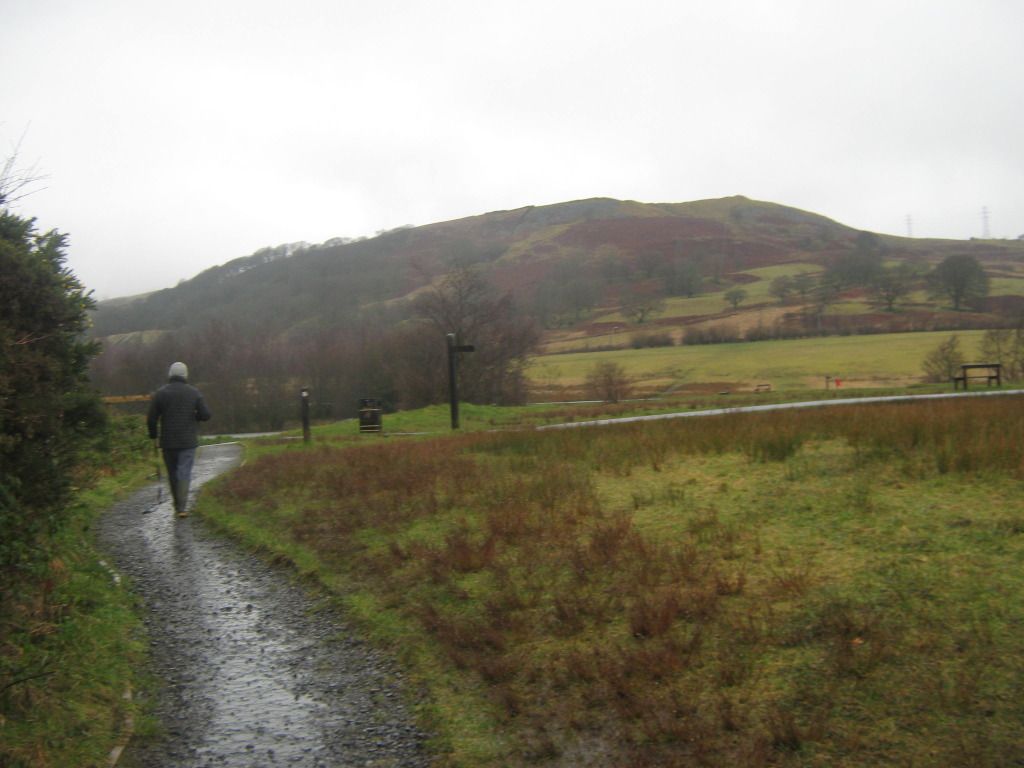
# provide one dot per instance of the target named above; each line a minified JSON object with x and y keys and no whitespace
{"x":836,"y":587}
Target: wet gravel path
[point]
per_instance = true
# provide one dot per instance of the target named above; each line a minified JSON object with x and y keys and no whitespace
{"x":250,"y":673}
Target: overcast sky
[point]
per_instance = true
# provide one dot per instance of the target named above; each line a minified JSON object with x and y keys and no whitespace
{"x":179,"y":135}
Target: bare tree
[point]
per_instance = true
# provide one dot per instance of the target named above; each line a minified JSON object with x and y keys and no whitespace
{"x":943,"y":362}
{"x":15,"y":180}
{"x":781,"y":287}
{"x":462,"y":302}
{"x":465,"y":304}
{"x":608,"y":381}
{"x":1006,"y":347}
{"x":641,"y":306}
{"x":892,"y":284}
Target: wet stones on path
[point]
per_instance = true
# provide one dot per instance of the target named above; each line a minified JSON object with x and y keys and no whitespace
{"x":250,"y":672}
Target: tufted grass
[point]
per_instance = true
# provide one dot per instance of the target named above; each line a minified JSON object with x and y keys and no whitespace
{"x":835,"y":588}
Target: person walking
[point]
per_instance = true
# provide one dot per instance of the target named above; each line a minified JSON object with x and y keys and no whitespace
{"x":177,"y":408}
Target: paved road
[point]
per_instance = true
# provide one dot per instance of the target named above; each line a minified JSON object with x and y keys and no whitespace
{"x":783,"y":407}
{"x":251,"y":672}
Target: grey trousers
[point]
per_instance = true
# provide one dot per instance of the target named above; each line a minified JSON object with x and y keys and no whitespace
{"x":179,"y":474}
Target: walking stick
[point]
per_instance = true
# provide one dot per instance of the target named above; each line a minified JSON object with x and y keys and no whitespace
{"x":159,"y":479}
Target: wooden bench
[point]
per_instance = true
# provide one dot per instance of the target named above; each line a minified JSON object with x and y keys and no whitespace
{"x":993,"y":372}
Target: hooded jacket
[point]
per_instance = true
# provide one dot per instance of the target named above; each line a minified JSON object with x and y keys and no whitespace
{"x":178,"y":407}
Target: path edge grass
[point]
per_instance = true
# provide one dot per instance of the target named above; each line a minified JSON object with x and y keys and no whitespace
{"x":86,"y":647}
{"x":459,"y":731}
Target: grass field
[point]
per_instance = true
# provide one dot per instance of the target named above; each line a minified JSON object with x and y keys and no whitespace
{"x":836,"y":588}
{"x":879,"y":360}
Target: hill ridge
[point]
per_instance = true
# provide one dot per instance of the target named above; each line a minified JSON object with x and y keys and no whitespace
{"x":523,"y":249}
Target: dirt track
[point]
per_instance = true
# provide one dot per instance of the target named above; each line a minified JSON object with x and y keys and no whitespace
{"x":250,"y":670}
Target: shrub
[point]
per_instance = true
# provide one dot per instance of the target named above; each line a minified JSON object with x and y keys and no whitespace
{"x":718,"y":334}
{"x":1005,"y":346}
{"x":49,"y":410}
{"x":608,"y":381}
{"x":943,"y":362}
{"x":643,"y":340}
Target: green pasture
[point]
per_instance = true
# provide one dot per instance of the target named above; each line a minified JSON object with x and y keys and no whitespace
{"x":880,"y":360}
{"x":1006,"y":286}
{"x":783,"y":270}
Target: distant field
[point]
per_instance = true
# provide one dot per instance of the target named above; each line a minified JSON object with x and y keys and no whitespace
{"x":1006,"y":286}
{"x":882,"y":360}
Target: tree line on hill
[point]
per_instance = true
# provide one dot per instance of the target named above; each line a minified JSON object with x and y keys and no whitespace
{"x":577,"y":286}
{"x":252,"y":381}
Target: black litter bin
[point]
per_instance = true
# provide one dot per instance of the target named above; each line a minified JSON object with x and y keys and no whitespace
{"x":369,"y":414}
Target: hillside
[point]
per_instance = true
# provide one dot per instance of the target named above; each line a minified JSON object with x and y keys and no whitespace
{"x":582,"y":276}
{"x":603,"y":248}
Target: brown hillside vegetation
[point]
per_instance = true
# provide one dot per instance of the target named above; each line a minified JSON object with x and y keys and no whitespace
{"x":522,"y":249}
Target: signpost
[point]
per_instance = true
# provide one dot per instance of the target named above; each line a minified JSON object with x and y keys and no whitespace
{"x":453,"y":374}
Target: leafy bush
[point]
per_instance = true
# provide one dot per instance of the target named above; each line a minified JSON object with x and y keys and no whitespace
{"x":48,"y":411}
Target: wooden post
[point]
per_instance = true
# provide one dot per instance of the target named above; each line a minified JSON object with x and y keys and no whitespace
{"x":453,"y":375}
{"x":453,"y":381}
{"x":304,"y":394}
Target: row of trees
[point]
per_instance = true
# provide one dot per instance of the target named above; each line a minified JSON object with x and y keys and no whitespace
{"x":958,"y":278}
{"x":575,"y":286}
{"x":251,"y":382}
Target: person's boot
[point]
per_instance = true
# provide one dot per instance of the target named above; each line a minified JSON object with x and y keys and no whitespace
{"x":181,"y":498}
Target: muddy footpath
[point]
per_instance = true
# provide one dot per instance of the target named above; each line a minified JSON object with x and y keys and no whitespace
{"x":250,"y":669}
